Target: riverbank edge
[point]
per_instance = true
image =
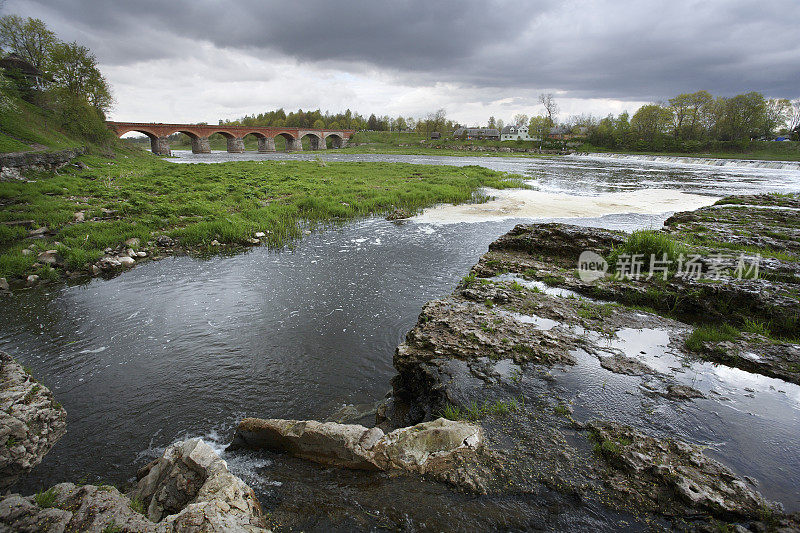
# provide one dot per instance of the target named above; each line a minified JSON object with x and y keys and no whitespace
{"x":427,"y":185}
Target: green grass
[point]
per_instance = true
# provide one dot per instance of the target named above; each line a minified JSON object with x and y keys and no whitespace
{"x":708,"y":333}
{"x":112,"y":528}
{"x":648,"y":243}
{"x":227,"y":202}
{"x":475,"y":411}
{"x":137,"y":505}
{"x":23,"y":124}
{"x":46,"y":498}
{"x":9,"y":144}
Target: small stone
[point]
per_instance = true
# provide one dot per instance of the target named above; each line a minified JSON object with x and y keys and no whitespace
{"x":80,"y":216}
{"x":3,"y":284}
{"x":215,"y":242}
{"x":96,"y":270}
{"x":307,"y":232}
{"x":50,"y":257}
{"x":141,"y":254}
{"x":38,"y":232}
{"x":26,"y":251}
{"x":126,"y":261}
{"x":32,"y":279}
{"x":164,"y":241}
{"x":131,"y":253}
{"x":254,"y":241}
{"x":132,"y":243}
{"x":260,"y":235}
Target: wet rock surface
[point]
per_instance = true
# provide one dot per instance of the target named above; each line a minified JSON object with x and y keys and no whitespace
{"x":188,"y":489}
{"x":442,"y":449}
{"x":31,"y":421}
{"x":493,"y":351}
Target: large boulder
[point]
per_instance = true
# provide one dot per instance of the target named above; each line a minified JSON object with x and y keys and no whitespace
{"x":31,"y":421}
{"x":423,"y":448}
{"x":189,"y":488}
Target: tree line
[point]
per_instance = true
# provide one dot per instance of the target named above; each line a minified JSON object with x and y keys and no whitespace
{"x":70,"y":85}
{"x":348,"y":120}
{"x":697,"y":121}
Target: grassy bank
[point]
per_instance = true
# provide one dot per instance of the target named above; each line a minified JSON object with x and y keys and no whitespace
{"x":136,"y":195}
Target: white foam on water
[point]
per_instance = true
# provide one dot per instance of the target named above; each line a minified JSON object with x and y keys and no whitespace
{"x":524,"y":203}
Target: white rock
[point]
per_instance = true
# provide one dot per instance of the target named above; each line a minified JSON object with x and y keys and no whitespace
{"x":126,"y":261}
{"x":141,"y":254}
{"x":260,"y":235}
{"x":80,"y":216}
{"x":131,"y":253}
{"x":3,"y":284}
{"x":32,"y":279}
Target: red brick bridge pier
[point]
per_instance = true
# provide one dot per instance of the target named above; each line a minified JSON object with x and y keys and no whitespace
{"x":199,"y":133}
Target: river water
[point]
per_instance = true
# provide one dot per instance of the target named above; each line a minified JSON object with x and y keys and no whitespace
{"x":186,"y":347}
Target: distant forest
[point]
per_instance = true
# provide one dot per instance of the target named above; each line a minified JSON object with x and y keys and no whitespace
{"x":686,"y":123}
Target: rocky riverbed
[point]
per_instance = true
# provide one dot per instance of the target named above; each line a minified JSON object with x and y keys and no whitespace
{"x":490,"y":356}
{"x":491,"y":408}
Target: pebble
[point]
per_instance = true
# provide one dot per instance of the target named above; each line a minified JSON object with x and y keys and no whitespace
{"x":32,"y":279}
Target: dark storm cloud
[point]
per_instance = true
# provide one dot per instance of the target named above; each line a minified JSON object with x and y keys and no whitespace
{"x":639,"y":50}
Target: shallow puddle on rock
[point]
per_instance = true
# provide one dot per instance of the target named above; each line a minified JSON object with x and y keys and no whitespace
{"x":747,"y":421}
{"x":540,"y":286}
{"x":544,"y":324}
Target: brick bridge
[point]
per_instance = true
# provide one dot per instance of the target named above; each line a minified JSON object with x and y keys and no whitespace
{"x":235,"y":135}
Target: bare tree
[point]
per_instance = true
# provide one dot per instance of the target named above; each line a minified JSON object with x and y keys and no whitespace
{"x":520,"y":119}
{"x":549,"y":103}
{"x":794,"y":116}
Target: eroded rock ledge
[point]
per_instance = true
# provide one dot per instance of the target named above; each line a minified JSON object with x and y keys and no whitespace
{"x":31,"y":421}
{"x":188,"y":489}
{"x":442,"y":449}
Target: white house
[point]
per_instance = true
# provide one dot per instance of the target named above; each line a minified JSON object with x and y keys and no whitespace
{"x":516,"y":133}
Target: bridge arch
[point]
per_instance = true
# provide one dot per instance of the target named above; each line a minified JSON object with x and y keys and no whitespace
{"x":334,"y":140}
{"x":314,"y":140}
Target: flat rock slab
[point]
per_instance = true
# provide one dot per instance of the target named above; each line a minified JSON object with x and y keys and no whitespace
{"x":422,"y":448}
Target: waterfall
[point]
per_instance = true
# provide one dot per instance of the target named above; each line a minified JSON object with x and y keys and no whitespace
{"x":747,"y":163}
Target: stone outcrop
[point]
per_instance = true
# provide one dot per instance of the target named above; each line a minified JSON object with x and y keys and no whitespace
{"x":190,"y":486}
{"x":440,"y":448}
{"x":673,"y":474}
{"x":13,"y":165}
{"x":31,"y":421}
{"x":188,"y":489}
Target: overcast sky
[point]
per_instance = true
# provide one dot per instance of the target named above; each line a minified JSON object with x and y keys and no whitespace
{"x":202,"y":60}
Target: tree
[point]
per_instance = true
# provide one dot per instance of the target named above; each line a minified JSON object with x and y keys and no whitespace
{"x":401,"y":124}
{"x":650,"y":121}
{"x":500,"y":124}
{"x":742,"y":117}
{"x":778,"y":113}
{"x":539,"y":127}
{"x":372,"y":123}
{"x":28,"y":38}
{"x":74,"y":70}
{"x":492,"y":123}
{"x":520,"y":119}
{"x":794,"y":119}
{"x":550,"y":106}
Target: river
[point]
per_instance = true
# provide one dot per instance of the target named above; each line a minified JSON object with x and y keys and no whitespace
{"x":186,"y":347}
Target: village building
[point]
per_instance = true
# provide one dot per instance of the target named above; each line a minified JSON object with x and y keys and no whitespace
{"x":15,"y":65}
{"x":516,"y":133}
{"x":477,"y":133}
